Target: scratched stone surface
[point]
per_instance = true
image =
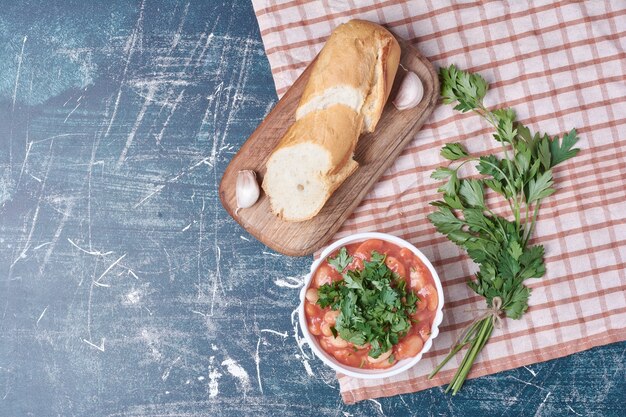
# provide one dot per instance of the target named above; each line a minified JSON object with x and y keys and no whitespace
{"x":125,"y":289}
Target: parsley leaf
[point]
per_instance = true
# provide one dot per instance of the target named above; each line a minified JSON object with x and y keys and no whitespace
{"x":540,"y":187}
{"x":453,"y":151}
{"x":518,"y":302}
{"x":515,"y":250}
{"x":445,"y":221}
{"x":441,"y":173}
{"x":462,"y":87}
{"x":563,"y":151}
{"x":341,"y":261}
{"x":472,"y":193}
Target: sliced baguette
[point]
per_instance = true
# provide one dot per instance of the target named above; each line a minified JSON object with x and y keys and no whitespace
{"x":311,"y":161}
{"x":344,"y":96}
{"x":356,"y":68}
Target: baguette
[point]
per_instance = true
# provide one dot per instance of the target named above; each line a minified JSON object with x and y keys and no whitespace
{"x":344,"y":96}
{"x":356,"y":68}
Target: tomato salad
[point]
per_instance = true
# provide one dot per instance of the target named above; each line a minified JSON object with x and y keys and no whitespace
{"x":409,"y":276}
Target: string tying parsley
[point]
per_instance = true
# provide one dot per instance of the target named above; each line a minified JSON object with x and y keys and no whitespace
{"x":494,"y":313}
{"x":522,"y":175}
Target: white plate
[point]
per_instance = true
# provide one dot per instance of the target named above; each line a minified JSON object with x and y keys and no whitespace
{"x":402,"y":365}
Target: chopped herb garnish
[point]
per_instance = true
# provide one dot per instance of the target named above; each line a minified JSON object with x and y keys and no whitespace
{"x":341,"y":261}
{"x":373,"y":303}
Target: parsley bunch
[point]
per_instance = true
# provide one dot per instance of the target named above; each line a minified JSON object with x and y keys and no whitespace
{"x":522,"y":175}
{"x":373,"y":303}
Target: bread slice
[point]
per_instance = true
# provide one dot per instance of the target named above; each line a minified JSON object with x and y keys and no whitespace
{"x":356,"y":68}
{"x":311,"y":161}
{"x":344,"y":96}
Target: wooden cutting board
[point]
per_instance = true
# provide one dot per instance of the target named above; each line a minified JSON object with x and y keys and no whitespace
{"x":375,"y":152}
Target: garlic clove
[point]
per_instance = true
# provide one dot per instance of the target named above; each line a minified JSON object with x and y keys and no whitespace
{"x":246,"y":189}
{"x":410,"y":93}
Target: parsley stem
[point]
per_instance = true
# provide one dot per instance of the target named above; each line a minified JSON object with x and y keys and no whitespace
{"x":477,"y":344}
{"x":495,"y":217}
{"x":526,"y":220}
{"x":460,"y":345}
{"x":466,"y":363}
{"x":443,"y":363}
{"x":532,"y":223}
{"x":489,"y":116}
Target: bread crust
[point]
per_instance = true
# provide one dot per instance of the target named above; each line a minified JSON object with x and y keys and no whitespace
{"x":387,"y":67}
{"x":361,"y":55}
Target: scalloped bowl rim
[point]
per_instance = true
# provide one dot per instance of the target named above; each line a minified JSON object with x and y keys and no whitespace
{"x":402,"y":365}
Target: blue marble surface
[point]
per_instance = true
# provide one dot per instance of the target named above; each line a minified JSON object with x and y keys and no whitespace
{"x":125,"y":288}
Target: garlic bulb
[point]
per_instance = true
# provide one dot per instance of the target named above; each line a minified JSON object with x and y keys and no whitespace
{"x":410,"y":93}
{"x":247,"y":189}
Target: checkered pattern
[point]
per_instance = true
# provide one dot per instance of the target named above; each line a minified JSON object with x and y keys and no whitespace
{"x":560,"y":65}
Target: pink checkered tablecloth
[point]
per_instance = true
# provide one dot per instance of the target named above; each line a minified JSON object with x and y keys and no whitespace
{"x":560,"y":65}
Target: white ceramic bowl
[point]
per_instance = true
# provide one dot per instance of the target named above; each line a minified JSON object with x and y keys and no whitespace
{"x":402,"y":365}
